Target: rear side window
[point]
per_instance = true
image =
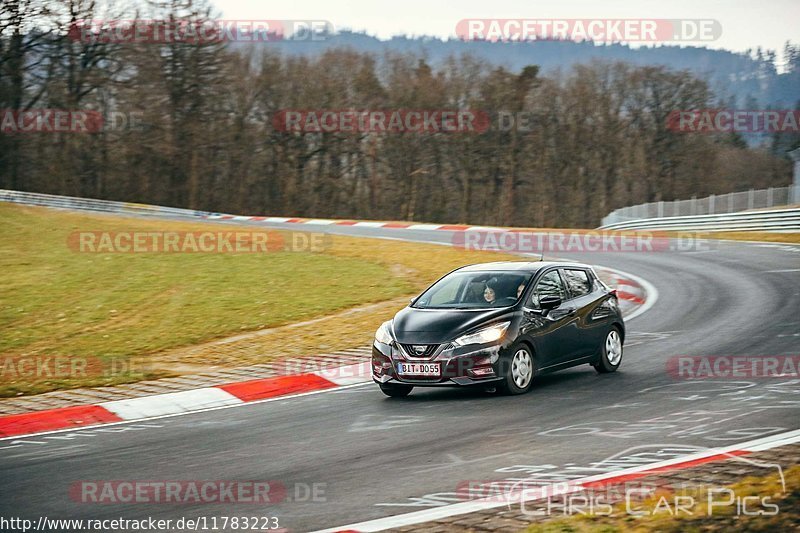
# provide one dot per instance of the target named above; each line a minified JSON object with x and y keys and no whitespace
{"x":578,"y":282}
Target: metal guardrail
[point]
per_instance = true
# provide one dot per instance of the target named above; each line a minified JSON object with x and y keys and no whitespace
{"x":720,"y":204}
{"x":90,"y":204}
{"x":779,"y":220}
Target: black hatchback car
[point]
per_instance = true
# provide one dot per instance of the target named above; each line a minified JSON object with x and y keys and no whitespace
{"x":498,"y":325}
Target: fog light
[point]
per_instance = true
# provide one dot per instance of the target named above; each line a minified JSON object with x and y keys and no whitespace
{"x":481,"y":372}
{"x":380,"y":363}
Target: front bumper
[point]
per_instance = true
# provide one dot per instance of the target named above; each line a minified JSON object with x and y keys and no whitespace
{"x":460,"y":366}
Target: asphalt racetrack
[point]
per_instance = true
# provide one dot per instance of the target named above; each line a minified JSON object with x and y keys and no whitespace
{"x":350,"y":455}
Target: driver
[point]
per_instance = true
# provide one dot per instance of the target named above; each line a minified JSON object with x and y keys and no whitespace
{"x":489,"y":294}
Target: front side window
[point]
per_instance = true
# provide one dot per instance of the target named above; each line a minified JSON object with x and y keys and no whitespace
{"x":549,"y":285}
{"x":446,"y":292}
{"x":473,"y":290}
{"x":578,"y":282}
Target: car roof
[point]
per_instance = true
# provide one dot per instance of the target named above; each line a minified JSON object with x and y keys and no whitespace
{"x":516,"y":266}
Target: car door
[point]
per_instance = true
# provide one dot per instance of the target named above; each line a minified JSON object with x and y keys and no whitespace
{"x":586,"y":295}
{"x":548,"y":331}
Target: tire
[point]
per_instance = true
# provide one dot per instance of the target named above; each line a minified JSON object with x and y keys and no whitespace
{"x":518,"y":370}
{"x":395,"y":391}
{"x":610,"y":352}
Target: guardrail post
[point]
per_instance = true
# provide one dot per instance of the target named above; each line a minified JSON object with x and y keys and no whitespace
{"x":750,"y":198}
{"x":769,"y":197}
{"x":730,"y":202}
{"x":795,"y":196}
{"x":711,"y":205}
{"x":660,"y":209}
{"x":693,"y":206}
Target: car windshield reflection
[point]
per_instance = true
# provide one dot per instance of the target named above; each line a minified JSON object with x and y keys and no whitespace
{"x":474,"y":290}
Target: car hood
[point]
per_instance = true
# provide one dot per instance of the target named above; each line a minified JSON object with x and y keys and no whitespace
{"x":437,"y":326}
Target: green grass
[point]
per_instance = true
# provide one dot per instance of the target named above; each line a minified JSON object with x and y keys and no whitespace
{"x":121,"y":304}
{"x":55,"y":301}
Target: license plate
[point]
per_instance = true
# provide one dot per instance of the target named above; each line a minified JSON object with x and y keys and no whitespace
{"x":419,"y":369}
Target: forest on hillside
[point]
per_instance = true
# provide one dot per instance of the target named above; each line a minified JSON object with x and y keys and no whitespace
{"x":193,"y":125}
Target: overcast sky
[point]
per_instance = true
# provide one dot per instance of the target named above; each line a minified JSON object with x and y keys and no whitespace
{"x":745,"y":23}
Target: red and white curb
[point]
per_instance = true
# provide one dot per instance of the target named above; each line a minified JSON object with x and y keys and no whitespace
{"x":638,"y":294}
{"x":182,"y":402}
{"x":541,"y":493}
{"x":629,"y":290}
{"x":354,"y":223}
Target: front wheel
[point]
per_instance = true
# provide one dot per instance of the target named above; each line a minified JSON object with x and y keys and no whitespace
{"x":395,"y":391}
{"x":610,"y":353}
{"x":519,"y":372}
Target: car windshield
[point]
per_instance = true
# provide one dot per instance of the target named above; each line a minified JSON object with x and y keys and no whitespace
{"x":474,"y":290}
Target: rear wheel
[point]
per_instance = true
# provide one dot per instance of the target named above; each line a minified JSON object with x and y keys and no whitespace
{"x":610,"y":353}
{"x":395,"y":391}
{"x":519,"y":371}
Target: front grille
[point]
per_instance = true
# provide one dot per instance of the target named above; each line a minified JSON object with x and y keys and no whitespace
{"x":430,"y":349}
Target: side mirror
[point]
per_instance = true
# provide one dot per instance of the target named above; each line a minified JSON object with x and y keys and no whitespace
{"x":549,"y":302}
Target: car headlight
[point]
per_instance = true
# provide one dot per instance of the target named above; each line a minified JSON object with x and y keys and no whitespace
{"x":383,"y":334}
{"x":490,"y":334}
